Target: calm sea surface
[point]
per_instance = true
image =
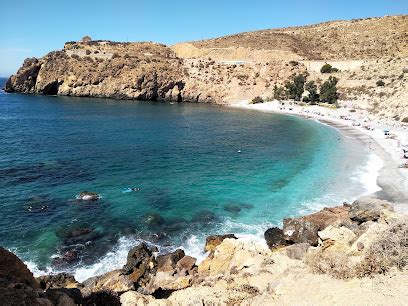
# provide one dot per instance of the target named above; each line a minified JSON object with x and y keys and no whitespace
{"x":185,"y":159}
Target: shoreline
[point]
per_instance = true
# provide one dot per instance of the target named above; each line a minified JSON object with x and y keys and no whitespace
{"x":392,"y":180}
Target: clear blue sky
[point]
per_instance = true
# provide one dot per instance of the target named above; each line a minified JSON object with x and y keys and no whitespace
{"x":35,"y":27}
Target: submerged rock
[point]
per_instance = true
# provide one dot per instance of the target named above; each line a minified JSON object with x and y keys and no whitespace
{"x":204,"y":216}
{"x":88,"y":196}
{"x":211,"y":242}
{"x":368,"y":209}
{"x":154,"y":220}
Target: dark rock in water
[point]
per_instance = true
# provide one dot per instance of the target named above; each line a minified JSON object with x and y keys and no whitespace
{"x":56,"y":281}
{"x":154,"y":220}
{"x":232,"y":208}
{"x":297,"y":251}
{"x":38,"y":204}
{"x":211,"y":242}
{"x":204,"y":216}
{"x":82,"y":235}
{"x":236,"y":207}
{"x":175,"y":225}
{"x":88,"y":196}
{"x":168,"y":262}
{"x":368,"y":209}
{"x":274,"y":238}
{"x":68,"y":257}
{"x":305,"y":229}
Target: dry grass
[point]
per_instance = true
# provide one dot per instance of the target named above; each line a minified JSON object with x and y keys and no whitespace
{"x":389,"y":250}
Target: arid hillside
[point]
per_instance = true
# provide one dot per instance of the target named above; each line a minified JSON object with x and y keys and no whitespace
{"x":354,"y":39}
{"x":239,"y":67}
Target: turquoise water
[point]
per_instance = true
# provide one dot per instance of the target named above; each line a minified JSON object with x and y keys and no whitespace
{"x":185,"y":159}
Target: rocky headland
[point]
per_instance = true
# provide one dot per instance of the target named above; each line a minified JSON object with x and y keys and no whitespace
{"x":353,"y":253}
{"x":233,"y":68}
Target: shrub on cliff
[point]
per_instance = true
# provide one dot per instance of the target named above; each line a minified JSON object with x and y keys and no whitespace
{"x":388,"y":250}
{"x":380,"y":83}
{"x":86,"y":38}
{"x":257,"y":99}
{"x":295,"y":88}
{"x":328,"y":91}
{"x":327,"y":68}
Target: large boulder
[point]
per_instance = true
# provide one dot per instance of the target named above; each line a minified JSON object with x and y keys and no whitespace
{"x":275,"y":237}
{"x":305,"y":229}
{"x":168,"y":262}
{"x":337,"y":238}
{"x":297,"y":251}
{"x":368,"y":209}
{"x":114,"y":281}
{"x":55,"y":281}
{"x":211,"y":242}
{"x":141,"y":264}
{"x":234,"y":255}
{"x":18,"y":285}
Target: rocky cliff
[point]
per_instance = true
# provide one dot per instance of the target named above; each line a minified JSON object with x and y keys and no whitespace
{"x":234,"y":68}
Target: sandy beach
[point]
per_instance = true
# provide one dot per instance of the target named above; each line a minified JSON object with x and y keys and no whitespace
{"x":366,"y":127}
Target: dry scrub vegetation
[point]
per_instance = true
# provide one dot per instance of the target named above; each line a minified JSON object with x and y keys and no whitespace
{"x":388,"y":250}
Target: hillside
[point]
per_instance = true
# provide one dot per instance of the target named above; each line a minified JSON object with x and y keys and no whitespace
{"x":355,"y":39}
{"x":233,"y":68}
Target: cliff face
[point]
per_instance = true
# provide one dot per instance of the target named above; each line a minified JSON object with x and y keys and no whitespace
{"x":143,"y":71}
{"x":234,"y":68}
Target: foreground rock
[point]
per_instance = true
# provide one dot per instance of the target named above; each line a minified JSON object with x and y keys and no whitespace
{"x":305,"y":229}
{"x":368,"y":209}
{"x":19,"y":287}
{"x":211,"y":242}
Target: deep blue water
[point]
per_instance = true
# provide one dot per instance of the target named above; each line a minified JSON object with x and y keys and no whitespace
{"x":185,"y":159}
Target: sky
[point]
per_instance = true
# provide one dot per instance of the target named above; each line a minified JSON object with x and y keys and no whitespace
{"x":35,"y":27}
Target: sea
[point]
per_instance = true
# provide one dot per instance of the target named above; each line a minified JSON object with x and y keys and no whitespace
{"x":198,"y":170}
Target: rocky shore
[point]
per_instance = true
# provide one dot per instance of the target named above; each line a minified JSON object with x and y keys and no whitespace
{"x":353,"y":252}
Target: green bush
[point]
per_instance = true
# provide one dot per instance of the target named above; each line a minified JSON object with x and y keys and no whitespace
{"x":279,"y":93}
{"x":313,"y":96}
{"x":327,"y":68}
{"x":295,"y":88}
{"x":328,"y":91}
{"x":380,"y":83}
